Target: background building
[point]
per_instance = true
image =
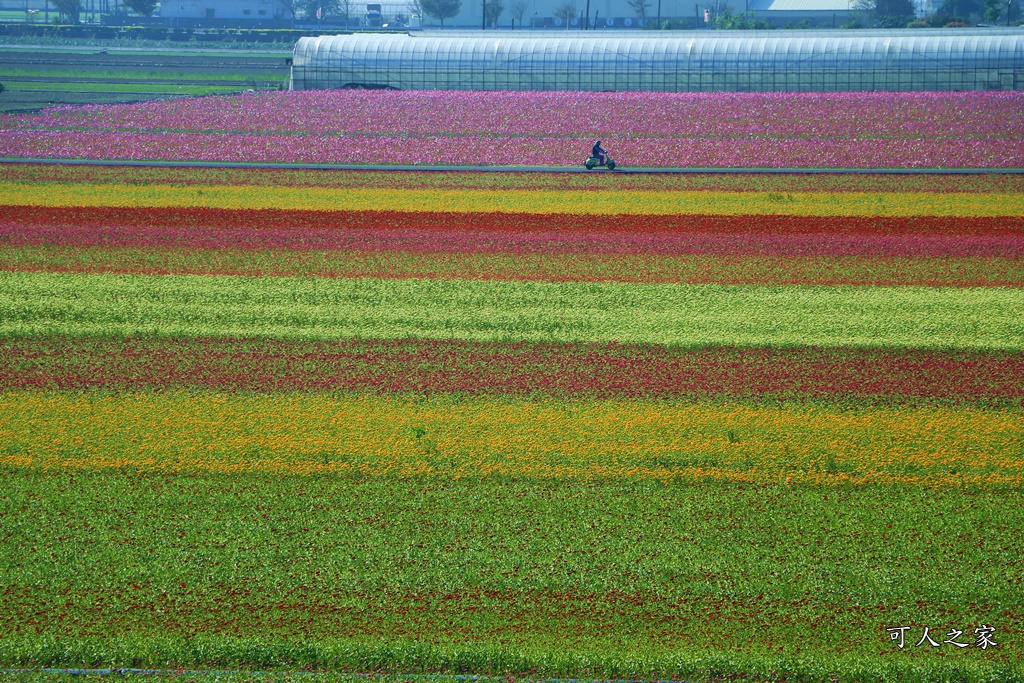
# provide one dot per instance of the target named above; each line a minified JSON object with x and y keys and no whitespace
{"x":620,"y":15}
{"x":825,"y":13}
{"x":221,"y":12}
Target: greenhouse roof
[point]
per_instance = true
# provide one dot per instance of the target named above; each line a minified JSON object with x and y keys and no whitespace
{"x":802,"y":5}
{"x":576,"y":34}
{"x":970,"y":59}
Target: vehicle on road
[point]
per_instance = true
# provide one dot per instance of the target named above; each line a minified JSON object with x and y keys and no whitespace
{"x":593,"y":162}
{"x":374,"y":18}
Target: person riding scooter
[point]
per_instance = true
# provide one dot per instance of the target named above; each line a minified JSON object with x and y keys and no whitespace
{"x":599,"y":157}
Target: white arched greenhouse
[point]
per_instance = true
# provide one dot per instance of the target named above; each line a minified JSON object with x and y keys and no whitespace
{"x":951,"y":59}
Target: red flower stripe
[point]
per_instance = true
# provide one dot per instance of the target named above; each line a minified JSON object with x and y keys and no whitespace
{"x":471,"y":241}
{"x":586,"y":267}
{"x":518,"y":369}
{"x":129,"y":219}
{"x":354,"y":612}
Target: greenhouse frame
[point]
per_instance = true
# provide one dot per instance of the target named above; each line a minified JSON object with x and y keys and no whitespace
{"x":913,"y":59}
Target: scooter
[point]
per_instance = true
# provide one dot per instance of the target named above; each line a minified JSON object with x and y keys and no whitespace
{"x":593,"y":162}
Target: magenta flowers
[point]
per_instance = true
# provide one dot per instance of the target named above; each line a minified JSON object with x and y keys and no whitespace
{"x":854,"y":130}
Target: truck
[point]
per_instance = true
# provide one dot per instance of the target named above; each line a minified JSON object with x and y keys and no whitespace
{"x":374,"y":18}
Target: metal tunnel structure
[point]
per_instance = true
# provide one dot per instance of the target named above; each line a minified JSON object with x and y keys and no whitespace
{"x":912,"y":59}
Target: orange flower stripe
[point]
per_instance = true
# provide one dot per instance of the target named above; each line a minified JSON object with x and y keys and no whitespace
{"x":487,"y":436}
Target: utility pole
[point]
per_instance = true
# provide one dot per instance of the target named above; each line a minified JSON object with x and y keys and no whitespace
{"x":483,"y":15}
{"x":659,"y":15}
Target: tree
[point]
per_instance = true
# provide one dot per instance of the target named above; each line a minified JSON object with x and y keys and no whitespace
{"x":143,"y":7}
{"x":996,"y":10}
{"x":328,"y":8}
{"x":726,"y":20}
{"x":415,"y":8}
{"x":962,"y":9}
{"x":894,"y":13}
{"x":69,"y":9}
{"x":519,"y":10}
{"x":343,"y":8}
{"x":492,"y":10}
{"x":640,"y":8}
{"x":566,"y":12}
{"x":292,"y":8}
{"x":887,"y":13}
{"x":442,"y":9}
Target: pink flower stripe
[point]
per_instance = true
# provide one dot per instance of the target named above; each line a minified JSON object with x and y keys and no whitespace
{"x":645,"y":114}
{"x":641,"y":129}
{"x":713,"y":153}
{"x":831,"y":375}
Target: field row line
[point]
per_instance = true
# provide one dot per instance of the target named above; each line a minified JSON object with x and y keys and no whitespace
{"x":512,"y":168}
{"x":128,"y":671}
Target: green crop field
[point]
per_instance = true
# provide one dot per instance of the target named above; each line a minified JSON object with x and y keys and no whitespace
{"x":281,"y":425}
{"x":124,"y":75}
{"x":487,"y":575}
{"x":688,"y":315}
{"x":36,"y":77}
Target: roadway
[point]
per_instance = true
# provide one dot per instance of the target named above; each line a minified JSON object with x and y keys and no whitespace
{"x":503,"y":169}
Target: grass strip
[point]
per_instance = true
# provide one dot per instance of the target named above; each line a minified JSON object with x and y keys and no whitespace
{"x":728,"y":182}
{"x":151,"y":75}
{"x":618,"y":579}
{"x":156,"y":87}
{"x":671,"y":314}
{"x":840,"y":376}
{"x":486,"y":436}
{"x":598,"y":202}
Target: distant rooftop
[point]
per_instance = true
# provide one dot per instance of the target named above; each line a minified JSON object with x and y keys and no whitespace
{"x":776,"y":33}
{"x":801,"y":5}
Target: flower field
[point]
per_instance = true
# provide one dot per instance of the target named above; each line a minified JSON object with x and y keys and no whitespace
{"x":828,"y":130}
{"x":690,"y":427}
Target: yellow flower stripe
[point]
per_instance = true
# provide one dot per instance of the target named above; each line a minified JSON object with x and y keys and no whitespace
{"x":450,"y":437}
{"x":518,"y":201}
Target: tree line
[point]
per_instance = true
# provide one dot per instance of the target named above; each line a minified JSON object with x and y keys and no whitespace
{"x":869,"y":13}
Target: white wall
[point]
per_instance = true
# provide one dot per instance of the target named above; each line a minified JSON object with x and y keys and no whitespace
{"x":470,"y":15}
{"x":222,"y":9}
